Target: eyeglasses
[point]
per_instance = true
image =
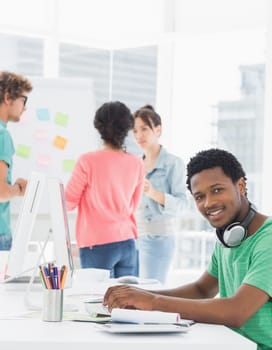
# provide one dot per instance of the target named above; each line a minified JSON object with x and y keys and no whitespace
{"x":25,"y":99}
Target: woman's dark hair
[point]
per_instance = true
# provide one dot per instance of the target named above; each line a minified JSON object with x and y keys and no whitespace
{"x":212,"y":158}
{"x":148,"y":115}
{"x":113,"y":120}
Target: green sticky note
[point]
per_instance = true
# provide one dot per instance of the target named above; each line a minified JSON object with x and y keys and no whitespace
{"x":61,"y":119}
{"x":23,"y":151}
{"x":68,"y":164}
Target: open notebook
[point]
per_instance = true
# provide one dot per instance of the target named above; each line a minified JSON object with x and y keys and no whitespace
{"x":139,"y":321}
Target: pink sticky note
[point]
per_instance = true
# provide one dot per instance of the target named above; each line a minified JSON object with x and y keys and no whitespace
{"x":43,"y":160}
{"x":41,"y":134}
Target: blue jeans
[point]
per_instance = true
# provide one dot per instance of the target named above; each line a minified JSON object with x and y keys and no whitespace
{"x":5,"y":242}
{"x":156,"y":253}
{"x":118,"y":257}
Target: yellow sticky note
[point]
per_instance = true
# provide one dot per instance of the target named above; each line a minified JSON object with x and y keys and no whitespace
{"x":61,"y":119}
{"x":23,"y":151}
{"x":60,"y":142}
{"x":68,"y":164}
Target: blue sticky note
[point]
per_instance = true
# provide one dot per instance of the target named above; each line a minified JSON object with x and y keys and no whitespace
{"x":43,"y":114}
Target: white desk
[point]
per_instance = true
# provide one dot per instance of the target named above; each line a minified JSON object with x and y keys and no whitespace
{"x":30,"y":334}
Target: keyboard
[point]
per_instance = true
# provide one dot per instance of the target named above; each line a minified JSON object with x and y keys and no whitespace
{"x":21,"y":279}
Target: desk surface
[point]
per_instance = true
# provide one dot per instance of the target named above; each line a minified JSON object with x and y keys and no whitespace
{"x":30,"y":334}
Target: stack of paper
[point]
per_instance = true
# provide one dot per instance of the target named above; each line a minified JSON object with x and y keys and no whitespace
{"x":142,"y":316}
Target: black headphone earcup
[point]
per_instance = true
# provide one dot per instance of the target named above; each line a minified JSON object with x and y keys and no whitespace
{"x":219,"y":235}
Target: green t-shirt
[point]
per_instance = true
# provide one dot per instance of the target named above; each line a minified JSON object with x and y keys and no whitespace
{"x":250,"y":263}
{"x":6,"y":154}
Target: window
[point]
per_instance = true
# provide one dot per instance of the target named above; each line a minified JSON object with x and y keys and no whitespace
{"x":21,"y":54}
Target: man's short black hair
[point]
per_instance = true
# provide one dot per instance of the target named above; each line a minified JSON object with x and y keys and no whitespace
{"x":212,"y":158}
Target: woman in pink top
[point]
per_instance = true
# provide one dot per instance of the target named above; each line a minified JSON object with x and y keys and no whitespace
{"x":106,"y":187}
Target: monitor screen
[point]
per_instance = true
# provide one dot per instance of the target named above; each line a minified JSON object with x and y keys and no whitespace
{"x":58,"y":228}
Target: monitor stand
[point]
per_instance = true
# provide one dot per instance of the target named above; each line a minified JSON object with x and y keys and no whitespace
{"x":27,"y":297}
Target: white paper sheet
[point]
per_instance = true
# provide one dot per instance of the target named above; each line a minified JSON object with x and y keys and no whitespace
{"x":142,"y":316}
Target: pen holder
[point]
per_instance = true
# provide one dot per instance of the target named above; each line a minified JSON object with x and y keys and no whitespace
{"x":52,"y":305}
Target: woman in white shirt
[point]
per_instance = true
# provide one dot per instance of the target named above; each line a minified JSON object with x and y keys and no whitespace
{"x":163,"y":199}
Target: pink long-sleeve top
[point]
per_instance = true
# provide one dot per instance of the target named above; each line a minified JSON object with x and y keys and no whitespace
{"x":106,"y":187}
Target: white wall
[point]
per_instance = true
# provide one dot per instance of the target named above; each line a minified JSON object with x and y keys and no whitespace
{"x":189,"y":22}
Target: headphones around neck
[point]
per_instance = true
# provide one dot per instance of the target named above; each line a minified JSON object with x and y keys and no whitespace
{"x":234,"y":234}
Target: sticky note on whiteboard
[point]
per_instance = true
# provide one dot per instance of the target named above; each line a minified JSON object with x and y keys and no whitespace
{"x":61,"y":119}
{"x":43,"y":160}
{"x":43,"y":114}
{"x":68,"y":165}
{"x":41,"y":134}
{"x":23,"y":151}
{"x":60,"y":142}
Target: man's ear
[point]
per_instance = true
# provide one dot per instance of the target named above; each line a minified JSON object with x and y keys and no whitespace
{"x":242,"y":185}
{"x":6,"y":98}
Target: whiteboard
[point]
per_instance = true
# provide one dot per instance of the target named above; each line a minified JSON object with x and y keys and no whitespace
{"x":55,"y":129}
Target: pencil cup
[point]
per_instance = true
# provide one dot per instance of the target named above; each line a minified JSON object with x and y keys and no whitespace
{"x":52,"y":305}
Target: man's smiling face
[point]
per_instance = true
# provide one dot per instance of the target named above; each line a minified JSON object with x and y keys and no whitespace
{"x":217,"y":198}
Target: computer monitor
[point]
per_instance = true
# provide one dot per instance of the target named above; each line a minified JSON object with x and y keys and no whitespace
{"x":59,"y":228}
{"x":24,"y":227}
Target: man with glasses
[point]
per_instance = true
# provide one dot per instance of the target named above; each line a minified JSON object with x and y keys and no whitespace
{"x":13,"y":97}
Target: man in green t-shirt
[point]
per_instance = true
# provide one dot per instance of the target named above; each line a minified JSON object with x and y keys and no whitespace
{"x":13,"y":97}
{"x":241,"y":264}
